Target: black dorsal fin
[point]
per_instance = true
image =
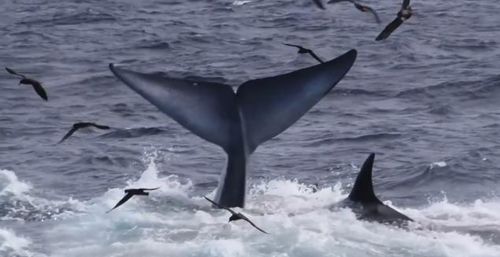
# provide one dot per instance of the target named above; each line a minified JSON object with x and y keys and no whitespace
{"x":362,"y":190}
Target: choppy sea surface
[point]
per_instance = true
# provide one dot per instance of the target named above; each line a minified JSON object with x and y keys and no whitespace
{"x":426,"y":101}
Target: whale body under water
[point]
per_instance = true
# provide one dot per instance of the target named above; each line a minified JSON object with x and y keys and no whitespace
{"x":365,"y":204}
{"x":238,"y":121}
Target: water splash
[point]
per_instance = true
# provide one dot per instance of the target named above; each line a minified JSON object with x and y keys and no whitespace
{"x":14,"y":246}
{"x":174,"y":220}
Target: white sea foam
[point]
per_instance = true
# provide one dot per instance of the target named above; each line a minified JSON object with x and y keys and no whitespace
{"x":19,"y":203}
{"x":13,"y":245}
{"x":173,"y":221}
{"x":242,"y":2}
{"x":440,"y":164}
{"x":11,"y":185}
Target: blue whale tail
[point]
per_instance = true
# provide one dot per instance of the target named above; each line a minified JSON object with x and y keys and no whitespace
{"x":238,"y":121}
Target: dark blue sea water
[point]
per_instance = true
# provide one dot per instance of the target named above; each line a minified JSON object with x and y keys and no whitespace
{"x":426,"y":101}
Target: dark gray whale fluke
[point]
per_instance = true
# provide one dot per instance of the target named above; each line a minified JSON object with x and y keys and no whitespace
{"x":363,"y":201}
{"x":238,"y":122}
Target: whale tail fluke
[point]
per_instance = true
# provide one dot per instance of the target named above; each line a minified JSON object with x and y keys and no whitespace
{"x":271,"y":105}
{"x":238,"y":122}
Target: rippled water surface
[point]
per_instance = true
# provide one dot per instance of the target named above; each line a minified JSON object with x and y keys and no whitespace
{"x":426,"y":101}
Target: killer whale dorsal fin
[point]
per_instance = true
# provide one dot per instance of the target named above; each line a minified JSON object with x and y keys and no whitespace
{"x":207,"y":109}
{"x":362,"y":191}
{"x":271,"y":105}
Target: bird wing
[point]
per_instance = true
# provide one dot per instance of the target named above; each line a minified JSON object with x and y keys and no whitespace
{"x":99,"y":126}
{"x":306,"y":50}
{"x":40,"y":91}
{"x":214,"y":203}
{"x":365,"y":8}
{"x":389,"y":29}
{"x":302,"y":49}
{"x":311,"y":53}
{"x":122,"y":201}
{"x":218,"y":206}
{"x":319,"y":4}
{"x":11,"y":71}
{"x":70,"y":132}
{"x":405,"y":4}
{"x":292,"y":45}
{"x":251,"y":223}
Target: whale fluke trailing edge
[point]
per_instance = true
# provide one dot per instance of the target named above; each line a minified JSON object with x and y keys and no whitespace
{"x":238,"y":122}
{"x":365,"y":203}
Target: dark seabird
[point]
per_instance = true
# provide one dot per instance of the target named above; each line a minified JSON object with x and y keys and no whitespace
{"x":358,"y":6}
{"x":131,"y":192}
{"x":403,"y":15}
{"x":80,"y":125}
{"x":28,"y":81}
{"x":236,"y":215}
{"x":303,"y":50}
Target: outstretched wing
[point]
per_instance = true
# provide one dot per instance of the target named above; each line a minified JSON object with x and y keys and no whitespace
{"x":122,"y":201}
{"x":292,"y":45}
{"x":11,"y":71}
{"x":70,"y":132}
{"x":365,"y":8}
{"x":251,"y":223}
{"x":315,"y":56}
{"x":269,"y":106}
{"x":218,"y":206}
{"x":211,"y":201}
{"x":207,"y":109}
{"x":389,"y":29}
{"x":306,"y":50}
{"x":40,"y":91}
{"x":100,"y":126}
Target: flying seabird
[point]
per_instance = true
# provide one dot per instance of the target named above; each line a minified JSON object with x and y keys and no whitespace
{"x":29,"y":81}
{"x":403,"y":15}
{"x":303,"y":50}
{"x":236,"y":215}
{"x":358,"y":6}
{"x":80,"y":125}
{"x":131,"y":192}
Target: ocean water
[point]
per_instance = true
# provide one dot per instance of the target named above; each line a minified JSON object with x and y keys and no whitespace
{"x":425,"y":101}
